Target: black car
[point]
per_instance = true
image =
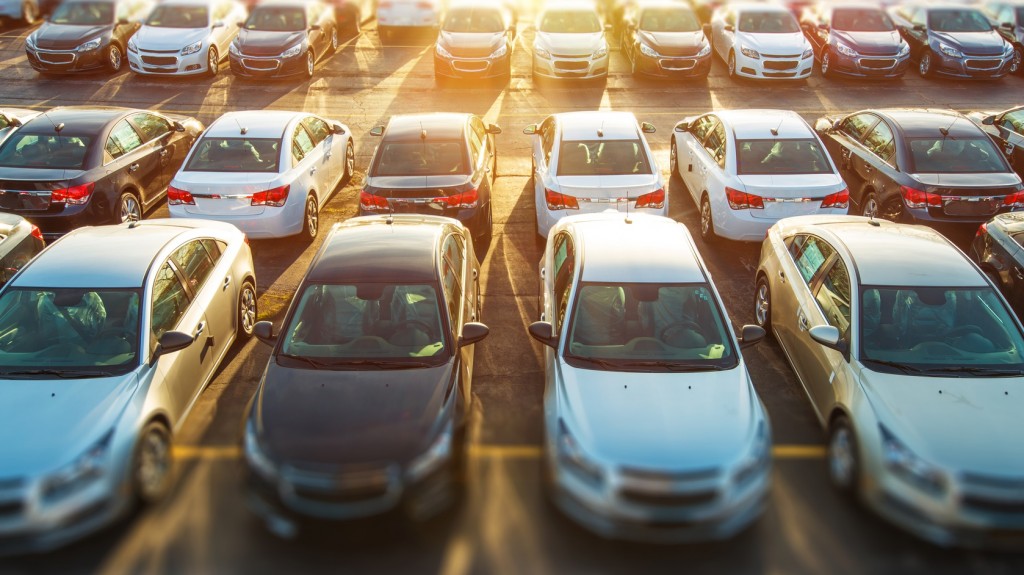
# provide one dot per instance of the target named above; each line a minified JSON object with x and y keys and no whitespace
{"x":85,"y":35}
{"x":855,"y":40}
{"x":20,"y":241}
{"x":1007,"y":129}
{"x":438,"y":164}
{"x":475,"y":42}
{"x":363,"y":405}
{"x":954,"y":41}
{"x":665,"y":39}
{"x":1009,"y":19}
{"x":283,"y":38}
{"x":933,"y":167}
{"x":85,"y":165}
{"x":998,"y":248}
{"x":350,"y":15}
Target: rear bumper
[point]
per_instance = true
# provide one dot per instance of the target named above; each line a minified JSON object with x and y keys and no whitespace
{"x":271,"y":223}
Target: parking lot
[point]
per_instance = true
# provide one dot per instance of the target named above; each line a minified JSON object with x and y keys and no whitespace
{"x":503,"y":524}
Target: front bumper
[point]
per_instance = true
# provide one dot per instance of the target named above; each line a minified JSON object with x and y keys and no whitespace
{"x":267,"y":66}
{"x":674,"y":67}
{"x":168,"y":64}
{"x":472,"y":67}
{"x":869,"y":66}
{"x":774,"y":68}
{"x":65,"y":61}
{"x":579,"y":67}
{"x":971,"y":67}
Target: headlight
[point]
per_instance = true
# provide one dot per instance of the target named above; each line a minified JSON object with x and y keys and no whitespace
{"x":572,"y":457}
{"x":192,"y":48}
{"x":80,"y":472}
{"x":293,"y":51}
{"x":599,"y":53}
{"x":258,"y":461}
{"x":441,"y":51}
{"x":132,"y":47}
{"x":436,"y":455}
{"x":950,"y":51}
{"x":846,"y":50}
{"x":1007,"y":49}
{"x":648,"y":51}
{"x":233,"y":49}
{"x":705,"y":50}
{"x":904,"y":50}
{"x":909,"y":467}
{"x":541,"y":53}
{"x":31,"y":41}
{"x":758,"y":459}
{"x":749,"y":53}
{"x":90,"y":45}
{"x":808,"y":53}
{"x":501,"y":51}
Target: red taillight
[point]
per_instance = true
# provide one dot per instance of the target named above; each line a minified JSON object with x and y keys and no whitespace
{"x":839,"y":200}
{"x":918,"y":199}
{"x":176,"y":197}
{"x":1014,"y":200}
{"x":655,"y":199}
{"x":557,"y":201}
{"x":384,"y":5}
{"x":274,"y":197}
{"x":372,"y":203}
{"x":743,"y":201}
{"x":424,"y":5}
{"x":982,"y":230}
{"x":75,"y":195}
{"x":466,"y":199}
{"x":36,"y":233}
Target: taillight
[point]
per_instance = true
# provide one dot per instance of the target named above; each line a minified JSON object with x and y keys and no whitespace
{"x":655,"y":199}
{"x":837,"y":200}
{"x":274,"y":197}
{"x":918,"y":199}
{"x":36,"y":233}
{"x":384,"y":5}
{"x":982,"y":230}
{"x":424,"y":5}
{"x":557,"y":201}
{"x":466,"y":199}
{"x":371,"y":202}
{"x":75,"y":195}
{"x":1014,"y":200}
{"x":176,"y":197}
{"x":743,"y":201}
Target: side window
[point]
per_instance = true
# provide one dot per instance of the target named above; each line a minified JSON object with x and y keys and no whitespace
{"x":318,"y":129}
{"x":221,"y":11}
{"x":452,"y":266}
{"x":833,"y":296}
{"x":151,"y":127}
{"x":123,"y":139}
{"x":700,"y":127}
{"x":918,"y":16}
{"x":301,"y":144}
{"x":880,"y":141}
{"x":476,"y":146}
{"x":170,"y":300}
{"x":856,"y":126}
{"x":215,"y":248}
{"x":715,"y":144}
{"x":1013,"y":121}
{"x":194,"y":262}
{"x":565,"y":264}
{"x":809,"y":253}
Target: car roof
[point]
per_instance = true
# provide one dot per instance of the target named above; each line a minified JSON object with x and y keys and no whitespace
{"x":928,"y":121}
{"x":257,"y":124}
{"x":890,"y":254}
{"x":758,"y":7}
{"x":399,"y":248}
{"x":79,"y":119}
{"x":642,"y":248}
{"x":186,"y":2}
{"x":268,"y":3}
{"x":585,"y":125}
{"x":438,"y":126}
{"x":83,"y":259}
{"x":758,"y":124}
{"x":570,"y":6}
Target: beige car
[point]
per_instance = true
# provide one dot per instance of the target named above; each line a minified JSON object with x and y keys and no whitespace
{"x":912,"y":362}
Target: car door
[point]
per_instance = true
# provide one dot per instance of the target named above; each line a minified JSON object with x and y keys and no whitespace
{"x":543,"y":147}
{"x":324,"y":143}
{"x":709,"y":161}
{"x":131,"y":162}
{"x":844,"y":145}
{"x":212,"y":288}
{"x":876,"y":164}
{"x":915,"y":30}
{"x":1015,"y":286}
{"x":308,"y":162}
{"x":689,"y":153}
{"x":454,"y":276}
{"x":478,"y":150}
{"x":320,"y":38}
{"x":1010,"y":127}
{"x":159,"y":135}
{"x":832,"y":305}
{"x":813,"y":21}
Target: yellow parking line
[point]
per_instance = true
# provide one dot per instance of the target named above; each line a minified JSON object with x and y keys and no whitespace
{"x":798,"y":451}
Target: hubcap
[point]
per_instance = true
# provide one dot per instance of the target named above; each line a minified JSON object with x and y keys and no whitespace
{"x":732,"y":64}
{"x":673,"y":156}
{"x":115,"y":58}
{"x":871,"y":207}
{"x":214,"y":61}
{"x":248,"y":309}
{"x":705,"y":218}
{"x":350,"y":162}
{"x":130,"y":211}
{"x":926,"y":64}
{"x":153,"y":463}
{"x":841,"y":458}
{"x":334,"y":40}
{"x":761,"y":311}
{"x":309,"y":63}
{"x":312,"y":218}
{"x":824,"y":63}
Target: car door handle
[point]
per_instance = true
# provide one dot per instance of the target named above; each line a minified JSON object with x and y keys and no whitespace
{"x":133,"y":167}
{"x":227,"y":282}
{"x":312,"y":170}
{"x":802,"y":322}
{"x":328,"y":155}
{"x":782,"y":276}
{"x":1017,"y":272}
{"x":199,"y":329}
{"x":164,"y":152}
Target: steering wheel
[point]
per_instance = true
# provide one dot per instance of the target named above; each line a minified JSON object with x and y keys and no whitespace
{"x":418,"y":324}
{"x":677,"y":325}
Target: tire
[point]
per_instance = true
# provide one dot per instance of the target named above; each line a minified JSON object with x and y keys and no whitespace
{"x":127,"y":209}
{"x":247,"y":310}
{"x":673,"y":160}
{"x":310,"y":65}
{"x":707,"y":221}
{"x":869,"y":207}
{"x":892,"y":210}
{"x":212,"y":62}
{"x":29,"y":13}
{"x":763,"y":304}
{"x":732,"y":64}
{"x":115,"y":58}
{"x":152,"y":464}
{"x":633,"y":68}
{"x":334,"y":40}
{"x":350,"y":164}
{"x":843,"y":461}
{"x":924,"y":66}
{"x":1015,"y":63}
{"x":825,"y":65}
{"x":310,"y":219}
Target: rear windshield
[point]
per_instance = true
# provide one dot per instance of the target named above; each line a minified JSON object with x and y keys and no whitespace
{"x":768,"y":23}
{"x":958,"y":20}
{"x":83,"y":13}
{"x":179,"y":16}
{"x":277,"y":19}
{"x":602,"y":158}
{"x":474,"y":20}
{"x":570,"y":22}
{"x":421,"y":159}
{"x":45,"y":151}
{"x":862,"y":20}
{"x":781,"y":157}
{"x":669,"y":20}
{"x":235,"y":155}
{"x":955,"y":156}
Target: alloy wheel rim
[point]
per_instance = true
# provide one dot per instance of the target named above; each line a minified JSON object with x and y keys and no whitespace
{"x":115,"y":58}
{"x":334,"y":40}
{"x":705,"y":218}
{"x":870,"y":208}
{"x":1015,"y":63}
{"x":925,"y":65}
{"x":350,"y":161}
{"x":212,"y":61}
{"x":309,"y":63}
{"x":840,"y":457}
{"x":130,"y":210}
{"x":248,"y":311}
{"x":153,"y":463}
{"x":824,"y":63}
{"x":312,"y":219}
{"x":732,"y":64}
{"x":673,"y":156}
{"x":761,"y":312}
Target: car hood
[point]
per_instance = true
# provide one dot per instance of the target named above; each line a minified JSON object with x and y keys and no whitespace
{"x":778,"y":44}
{"x":48,"y":423}
{"x":870,"y":43}
{"x":486,"y":41}
{"x":696,"y":420}
{"x":396,"y":182}
{"x":959,"y":423}
{"x":338,"y":417}
{"x":668,"y":43}
{"x":607,"y":186}
{"x":64,"y":37}
{"x":974,"y":43}
{"x":969,"y":180}
{"x":261,"y":43}
{"x":571,"y":44}
{"x":160,"y":38}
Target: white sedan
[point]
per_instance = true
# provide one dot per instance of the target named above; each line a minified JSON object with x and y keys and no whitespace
{"x":267,"y":172}
{"x":185,"y":37}
{"x":747,"y":169}
{"x":591,"y":162}
{"x":761,"y":41}
{"x":570,"y":43}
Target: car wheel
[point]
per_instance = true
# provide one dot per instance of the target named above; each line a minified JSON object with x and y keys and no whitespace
{"x":247,"y":309}
{"x":334,"y":40}
{"x":826,"y":63}
{"x":732,"y":64}
{"x":114,"y":58}
{"x":843,"y":464}
{"x":632,"y":64}
{"x":924,"y":67}
{"x":311,"y":220}
{"x":870,"y":206}
{"x":1015,"y":62}
{"x":310,"y":64}
{"x":128,"y":209}
{"x":707,"y":220}
{"x":212,"y":62}
{"x":350,"y":163}
{"x":152,"y":463}
{"x":763,"y":304}
{"x":891,"y":210}
{"x":673,"y":159}
{"x":29,"y":13}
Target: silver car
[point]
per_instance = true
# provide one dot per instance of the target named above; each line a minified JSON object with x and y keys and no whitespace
{"x":101,"y":360}
{"x":912,"y":362}
{"x":653,"y":430}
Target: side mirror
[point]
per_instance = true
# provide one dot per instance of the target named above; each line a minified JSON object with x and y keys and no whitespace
{"x":988,"y":120}
{"x":751,"y":334}
{"x":706,"y":28}
{"x":544,"y":332}
{"x":123,"y":22}
{"x":1006,"y":25}
{"x":240,"y":24}
{"x":682,"y":127}
{"x":337,"y":128}
{"x":648,"y":128}
{"x":377,"y":131}
{"x":823,"y":26}
{"x":217,"y":24}
{"x":828,"y":336}
{"x":17,"y":123}
{"x":493,"y":129}
{"x":473,"y":332}
{"x":314,"y":27}
{"x":171,"y":342}
{"x":530,"y":130}
{"x":264,"y":331}
{"x":178,"y":126}
{"x":919,"y":28}
{"x":729,"y":28}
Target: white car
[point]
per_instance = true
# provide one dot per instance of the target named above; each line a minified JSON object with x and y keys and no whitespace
{"x":591,"y":162}
{"x":570,"y":43}
{"x":653,"y":429}
{"x":185,"y":37}
{"x":747,"y":169}
{"x":11,"y":119}
{"x":761,"y":41}
{"x":394,"y":16}
{"x":267,"y":172}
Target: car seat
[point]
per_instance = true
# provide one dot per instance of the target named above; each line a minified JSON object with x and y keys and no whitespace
{"x":601,"y":316}
{"x":576,"y":160}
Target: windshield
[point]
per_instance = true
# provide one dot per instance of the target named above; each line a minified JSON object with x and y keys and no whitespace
{"x":955,"y":156}
{"x":44,"y":151}
{"x":337,"y":324}
{"x":178,"y":16}
{"x":235,"y":155}
{"x":862,"y":20}
{"x":759,"y":157}
{"x":768,"y":23}
{"x":83,"y":13}
{"x":938,"y":331}
{"x":76,"y":332}
{"x":602,"y":158}
{"x":276,"y":19}
{"x":421,"y":159}
{"x":474,"y":20}
{"x":570,"y":22}
{"x":669,"y":20}
{"x":958,"y":20}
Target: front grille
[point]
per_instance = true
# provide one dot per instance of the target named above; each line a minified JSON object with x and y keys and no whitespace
{"x":781,"y":55}
{"x":979,"y":207}
{"x":658,"y":475}
{"x":470,"y":52}
{"x":11,"y":508}
{"x":691,"y":499}
{"x":770,"y":65}
{"x":342,"y":485}
{"x":160,"y":60}
{"x":11,"y":483}
{"x":260,"y":64}
{"x":159,"y":51}
{"x":669,"y":64}
{"x":779,"y":74}
{"x":470,"y":66}
{"x":983,"y":64}
{"x":878,"y":64}
{"x":989,"y":481}
{"x":571,"y":56}
{"x":678,"y":51}
{"x":571,"y":65}
{"x":341,"y":496}
{"x":56,"y":57}
{"x":991,"y":505}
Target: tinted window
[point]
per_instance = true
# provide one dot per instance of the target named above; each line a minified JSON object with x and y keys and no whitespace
{"x":833,"y":296}
{"x":277,"y":19}
{"x":669,"y":20}
{"x":1013,"y":121}
{"x":880,"y":141}
{"x":234,"y":155}
{"x":194,"y":262}
{"x":83,"y":13}
{"x":478,"y":20}
{"x":809,"y":253}
{"x":768,"y":23}
{"x":318,"y":129}
{"x":170,"y":301}
{"x":452,"y":265}
{"x":44,"y":151}
{"x":565,"y":265}
{"x":151,"y":127}
{"x":955,"y":156}
{"x":179,"y":16}
{"x":861,"y":20}
{"x":421,"y":159}
{"x":958,"y":20}
{"x":302,"y":144}
{"x":701,"y":126}
{"x":715,"y":144}
{"x":856,"y":126}
{"x":781,"y":157}
{"x":602,"y":157}
{"x":570,"y":22}
{"x":123,"y":139}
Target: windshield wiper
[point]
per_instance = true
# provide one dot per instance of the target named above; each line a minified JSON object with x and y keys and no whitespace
{"x":602,"y":363}
{"x":61,"y":373}
{"x":382,"y":364}
{"x":895,"y":364}
{"x":307,"y":360}
{"x":974,"y":370}
{"x":677,"y":366}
